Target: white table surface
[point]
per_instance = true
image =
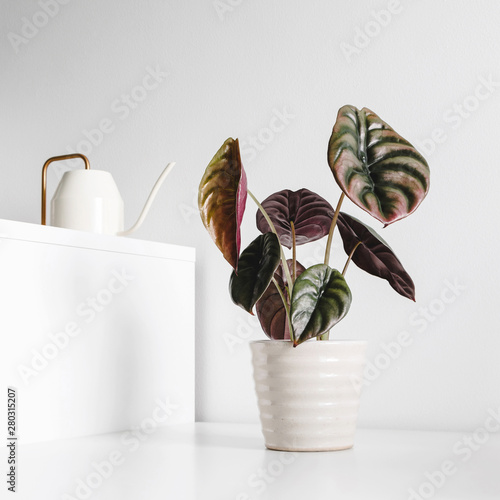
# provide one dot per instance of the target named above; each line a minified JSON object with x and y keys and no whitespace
{"x":228,"y":461}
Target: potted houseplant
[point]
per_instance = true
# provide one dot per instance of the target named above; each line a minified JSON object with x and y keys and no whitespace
{"x":307,"y":398}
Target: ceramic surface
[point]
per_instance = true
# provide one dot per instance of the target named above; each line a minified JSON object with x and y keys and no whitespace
{"x":88,"y":200}
{"x":308,"y":396}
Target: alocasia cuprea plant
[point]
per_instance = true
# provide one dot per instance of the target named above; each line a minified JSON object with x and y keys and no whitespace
{"x":374,"y":167}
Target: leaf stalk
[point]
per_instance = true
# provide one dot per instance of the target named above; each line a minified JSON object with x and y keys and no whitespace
{"x":326,"y":335}
{"x":350,"y":258}
{"x":332,"y":228}
{"x":282,"y":253}
{"x":294,"y":253}
{"x":287,"y":310}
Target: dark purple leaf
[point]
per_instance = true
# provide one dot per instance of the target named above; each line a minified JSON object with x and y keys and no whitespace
{"x":270,"y":308}
{"x":310,"y":213}
{"x":374,"y":255}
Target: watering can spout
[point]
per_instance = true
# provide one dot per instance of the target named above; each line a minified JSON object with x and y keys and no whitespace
{"x":149,"y":201}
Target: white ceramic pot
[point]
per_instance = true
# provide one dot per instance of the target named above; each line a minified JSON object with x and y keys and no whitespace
{"x":308,"y":396}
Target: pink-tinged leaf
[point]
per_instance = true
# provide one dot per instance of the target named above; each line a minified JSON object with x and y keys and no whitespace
{"x":374,"y":255}
{"x":310,"y":213}
{"x":270,"y":308}
{"x":241,"y":200}
{"x":221,"y":199}
{"x":375,"y":167}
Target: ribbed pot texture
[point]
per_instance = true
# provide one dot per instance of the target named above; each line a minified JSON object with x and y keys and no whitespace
{"x":308,"y":396}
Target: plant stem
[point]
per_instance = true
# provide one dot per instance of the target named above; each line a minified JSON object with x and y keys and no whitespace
{"x":294,"y":253}
{"x":332,"y":228}
{"x":287,"y":310}
{"x":326,"y":335}
{"x":282,"y":254}
{"x":350,"y":258}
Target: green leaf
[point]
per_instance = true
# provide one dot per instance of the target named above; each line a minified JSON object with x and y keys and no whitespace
{"x":256,"y":267}
{"x":375,"y":167}
{"x":221,"y":199}
{"x":320,"y":299}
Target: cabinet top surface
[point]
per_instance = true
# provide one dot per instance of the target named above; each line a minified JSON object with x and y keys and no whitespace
{"x":22,"y":231}
{"x":228,"y":461}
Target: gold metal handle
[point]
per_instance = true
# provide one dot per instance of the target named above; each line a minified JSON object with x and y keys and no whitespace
{"x":44,"y":177}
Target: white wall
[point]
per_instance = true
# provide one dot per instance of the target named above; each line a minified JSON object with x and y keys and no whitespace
{"x":225,"y":68}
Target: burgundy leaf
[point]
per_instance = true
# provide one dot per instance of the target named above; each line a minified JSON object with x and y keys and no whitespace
{"x":310,"y":213}
{"x":270,"y":308}
{"x":374,"y":255}
{"x":221,"y":199}
{"x":241,"y":200}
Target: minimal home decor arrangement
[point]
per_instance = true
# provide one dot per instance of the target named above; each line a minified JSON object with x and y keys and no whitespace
{"x":89,"y":200}
{"x":309,"y":397}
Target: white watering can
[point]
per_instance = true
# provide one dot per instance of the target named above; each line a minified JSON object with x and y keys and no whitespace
{"x":89,"y":200}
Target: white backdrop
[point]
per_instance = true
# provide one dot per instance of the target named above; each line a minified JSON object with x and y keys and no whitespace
{"x":137,"y":84}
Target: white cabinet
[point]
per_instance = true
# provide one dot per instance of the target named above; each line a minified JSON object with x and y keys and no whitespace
{"x":97,"y":332}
